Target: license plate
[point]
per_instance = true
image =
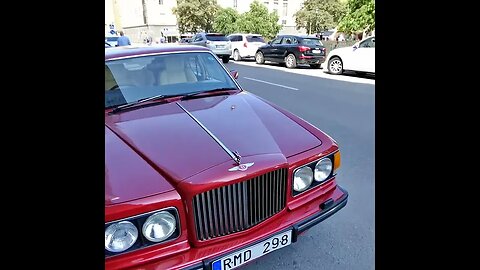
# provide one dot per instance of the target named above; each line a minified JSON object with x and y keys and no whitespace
{"x":315,"y":51}
{"x":219,"y":46}
{"x":238,"y":258}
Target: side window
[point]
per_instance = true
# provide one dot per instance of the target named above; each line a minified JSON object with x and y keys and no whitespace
{"x":276,"y":41}
{"x":289,"y":40}
{"x":198,"y":38}
{"x":368,"y":43}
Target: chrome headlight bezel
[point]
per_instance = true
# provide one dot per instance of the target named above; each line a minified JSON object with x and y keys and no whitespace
{"x":310,"y":172}
{"x":312,"y":165}
{"x":142,"y":241}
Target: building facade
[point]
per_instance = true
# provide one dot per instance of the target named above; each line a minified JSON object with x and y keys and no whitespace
{"x":142,"y":18}
{"x":285,"y":10}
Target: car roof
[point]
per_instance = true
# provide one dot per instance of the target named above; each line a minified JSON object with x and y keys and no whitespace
{"x":243,"y":34}
{"x":297,"y":36}
{"x":131,"y":51}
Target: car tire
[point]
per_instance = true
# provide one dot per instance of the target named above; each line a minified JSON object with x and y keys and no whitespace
{"x":316,"y":66}
{"x":291,"y":61}
{"x":236,"y":55}
{"x":335,"y":65}
{"x":225,"y":59}
{"x":259,"y":59}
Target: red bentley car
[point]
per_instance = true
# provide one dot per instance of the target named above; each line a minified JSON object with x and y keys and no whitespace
{"x":201,"y":174}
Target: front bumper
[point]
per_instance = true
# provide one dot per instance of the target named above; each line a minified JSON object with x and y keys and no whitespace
{"x":202,"y":257}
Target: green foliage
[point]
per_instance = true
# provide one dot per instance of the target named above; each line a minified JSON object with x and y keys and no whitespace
{"x":257,"y":20}
{"x":319,"y":15}
{"x":226,"y":21}
{"x":360,"y":16}
{"x":193,"y":16}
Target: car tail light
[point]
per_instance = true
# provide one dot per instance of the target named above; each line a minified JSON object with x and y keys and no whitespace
{"x":245,"y":44}
{"x":303,"y":48}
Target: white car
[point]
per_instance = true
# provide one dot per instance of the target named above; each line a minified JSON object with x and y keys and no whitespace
{"x":359,"y":58}
{"x":245,"y":45}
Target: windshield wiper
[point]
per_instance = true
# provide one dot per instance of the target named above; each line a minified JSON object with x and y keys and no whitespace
{"x":185,"y":96}
{"x":142,"y":100}
{"x":194,"y":94}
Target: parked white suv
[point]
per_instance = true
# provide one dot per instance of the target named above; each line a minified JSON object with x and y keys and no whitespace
{"x":245,"y":45}
{"x":359,"y":58}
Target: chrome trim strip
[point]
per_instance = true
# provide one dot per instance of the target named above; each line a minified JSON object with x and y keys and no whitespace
{"x":230,"y":153}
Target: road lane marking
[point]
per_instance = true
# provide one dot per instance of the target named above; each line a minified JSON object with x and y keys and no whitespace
{"x":319,"y":73}
{"x":288,"y":87}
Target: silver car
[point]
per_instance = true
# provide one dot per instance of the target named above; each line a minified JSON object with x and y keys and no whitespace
{"x":217,"y":43}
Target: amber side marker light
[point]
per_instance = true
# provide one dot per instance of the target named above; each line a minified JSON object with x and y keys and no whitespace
{"x":336,"y":161}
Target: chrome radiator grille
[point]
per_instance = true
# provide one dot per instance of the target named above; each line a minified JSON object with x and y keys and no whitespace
{"x":237,"y":207}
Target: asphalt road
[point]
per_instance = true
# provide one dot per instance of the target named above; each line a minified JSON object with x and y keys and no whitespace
{"x":346,"y":111}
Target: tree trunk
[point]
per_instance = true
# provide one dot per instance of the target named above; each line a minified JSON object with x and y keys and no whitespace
{"x":144,"y":7}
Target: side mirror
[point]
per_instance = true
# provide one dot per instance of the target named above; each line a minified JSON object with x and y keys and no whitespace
{"x":269,"y":43}
{"x":234,"y":74}
{"x":355,"y":47}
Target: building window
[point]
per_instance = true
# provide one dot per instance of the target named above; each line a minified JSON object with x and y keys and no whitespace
{"x":234,"y":3}
{"x":160,"y":2}
{"x":284,"y":22}
{"x":285,"y":6}
{"x":266,"y":3}
{"x":275,"y":3}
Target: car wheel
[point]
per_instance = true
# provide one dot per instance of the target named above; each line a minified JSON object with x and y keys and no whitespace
{"x":315,"y":65}
{"x":236,"y":55}
{"x":225,"y":59}
{"x":335,"y":66}
{"x":259,"y":58}
{"x":291,"y":61}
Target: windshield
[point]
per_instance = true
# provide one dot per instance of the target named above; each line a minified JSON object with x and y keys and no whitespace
{"x":216,"y":37}
{"x":111,"y":38}
{"x":312,"y":41}
{"x":131,"y":79}
{"x":255,"y":39}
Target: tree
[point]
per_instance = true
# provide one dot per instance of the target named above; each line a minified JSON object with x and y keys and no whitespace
{"x":257,"y":20}
{"x":360,"y":16}
{"x":318,"y":15}
{"x":226,"y":21}
{"x":193,"y":16}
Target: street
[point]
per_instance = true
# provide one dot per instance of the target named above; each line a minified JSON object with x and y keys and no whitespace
{"x":344,"y":107}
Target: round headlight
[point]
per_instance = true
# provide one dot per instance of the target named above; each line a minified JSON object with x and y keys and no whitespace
{"x":159,"y":226}
{"x":120,"y":236}
{"x":323,"y":169}
{"x":302,"y":179}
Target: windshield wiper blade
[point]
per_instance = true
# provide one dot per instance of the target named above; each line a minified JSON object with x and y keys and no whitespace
{"x":193,"y":94}
{"x":142,"y":100}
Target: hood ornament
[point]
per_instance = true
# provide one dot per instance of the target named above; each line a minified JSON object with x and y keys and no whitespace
{"x":241,"y":167}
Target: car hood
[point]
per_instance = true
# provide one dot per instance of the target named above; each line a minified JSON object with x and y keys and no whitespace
{"x":172,"y":142}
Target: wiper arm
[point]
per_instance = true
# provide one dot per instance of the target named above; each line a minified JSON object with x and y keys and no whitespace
{"x":193,"y":94}
{"x":142,"y":100}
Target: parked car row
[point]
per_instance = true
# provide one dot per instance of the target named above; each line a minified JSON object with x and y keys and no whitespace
{"x":289,"y":50}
